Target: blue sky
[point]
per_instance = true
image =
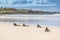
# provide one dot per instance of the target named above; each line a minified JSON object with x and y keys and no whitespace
{"x":51,"y":5}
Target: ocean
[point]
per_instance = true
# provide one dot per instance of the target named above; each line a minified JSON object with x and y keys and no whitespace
{"x":31,"y":19}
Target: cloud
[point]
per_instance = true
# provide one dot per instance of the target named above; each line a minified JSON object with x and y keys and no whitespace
{"x":45,"y":5}
{"x":42,"y":2}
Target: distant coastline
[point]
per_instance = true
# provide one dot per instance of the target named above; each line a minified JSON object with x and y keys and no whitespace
{"x":23,"y":11}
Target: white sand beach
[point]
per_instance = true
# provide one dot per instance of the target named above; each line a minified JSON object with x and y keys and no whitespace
{"x":10,"y":32}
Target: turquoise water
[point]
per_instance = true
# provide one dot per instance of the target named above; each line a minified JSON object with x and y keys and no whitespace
{"x":33,"y":19}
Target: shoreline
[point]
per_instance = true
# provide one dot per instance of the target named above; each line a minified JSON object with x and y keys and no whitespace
{"x":8,"y":23}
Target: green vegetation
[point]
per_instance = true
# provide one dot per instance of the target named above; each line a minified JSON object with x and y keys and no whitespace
{"x":3,"y":10}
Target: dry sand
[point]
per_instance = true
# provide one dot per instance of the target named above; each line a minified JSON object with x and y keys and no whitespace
{"x":10,"y":32}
